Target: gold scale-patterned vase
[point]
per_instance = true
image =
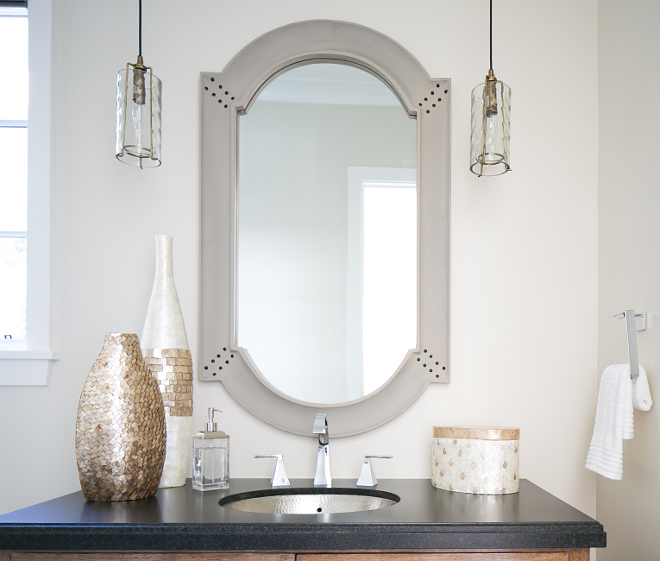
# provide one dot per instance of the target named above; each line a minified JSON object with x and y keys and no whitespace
{"x":120,"y":429}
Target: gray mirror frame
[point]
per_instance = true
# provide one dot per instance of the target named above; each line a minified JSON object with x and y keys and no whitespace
{"x":228,"y":94}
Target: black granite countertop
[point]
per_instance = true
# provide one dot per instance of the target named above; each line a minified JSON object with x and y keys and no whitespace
{"x":425,"y":518}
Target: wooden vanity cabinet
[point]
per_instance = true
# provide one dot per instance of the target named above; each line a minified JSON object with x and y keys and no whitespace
{"x":453,"y":555}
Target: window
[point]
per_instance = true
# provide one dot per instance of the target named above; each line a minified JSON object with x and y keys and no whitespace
{"x":13,"y":173}
{"x":25,"y":44}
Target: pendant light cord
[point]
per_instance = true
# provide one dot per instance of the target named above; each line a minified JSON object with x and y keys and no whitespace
{"x":140,"y":33}
{"x":491,"y":33}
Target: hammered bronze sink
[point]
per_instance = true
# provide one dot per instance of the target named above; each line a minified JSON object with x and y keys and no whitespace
{"x":309,"y":501}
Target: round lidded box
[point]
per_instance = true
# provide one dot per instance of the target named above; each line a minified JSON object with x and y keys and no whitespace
{"x":477,"y":460}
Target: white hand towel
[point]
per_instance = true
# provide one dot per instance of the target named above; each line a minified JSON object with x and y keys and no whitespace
{"x":641,"y":392}
{"x":605,"y":454}
{"x":628,"y":420}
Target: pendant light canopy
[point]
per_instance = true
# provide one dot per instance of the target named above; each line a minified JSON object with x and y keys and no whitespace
{"x":491,"y":122}
{"x":138,"y":113}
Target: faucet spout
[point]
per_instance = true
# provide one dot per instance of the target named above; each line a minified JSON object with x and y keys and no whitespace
{"x":321,"y":428}
{"x":322,"y":476}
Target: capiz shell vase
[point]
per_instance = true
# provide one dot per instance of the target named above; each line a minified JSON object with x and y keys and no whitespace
{"x":165,"y":348}
{"x":120,"y":428}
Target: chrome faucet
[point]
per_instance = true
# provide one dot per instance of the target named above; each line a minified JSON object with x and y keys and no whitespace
{"x":320,"y":427}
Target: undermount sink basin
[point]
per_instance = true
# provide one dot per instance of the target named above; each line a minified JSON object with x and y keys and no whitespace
{"x":309,"y":501}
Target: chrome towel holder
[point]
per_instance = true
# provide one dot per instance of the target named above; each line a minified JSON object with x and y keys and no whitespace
{"x":631,"y":328}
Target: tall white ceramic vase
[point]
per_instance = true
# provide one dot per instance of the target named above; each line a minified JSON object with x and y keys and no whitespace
{"x":165,"y":350}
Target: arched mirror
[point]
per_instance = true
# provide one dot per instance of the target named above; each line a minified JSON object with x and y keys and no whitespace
{"x":325,"y":221}
{"x":327,"y":233}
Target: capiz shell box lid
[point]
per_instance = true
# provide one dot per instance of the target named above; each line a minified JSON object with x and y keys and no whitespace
{"x":477,"y":460}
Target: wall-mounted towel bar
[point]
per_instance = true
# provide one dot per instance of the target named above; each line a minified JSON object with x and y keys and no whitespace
{"x":631,"y":328}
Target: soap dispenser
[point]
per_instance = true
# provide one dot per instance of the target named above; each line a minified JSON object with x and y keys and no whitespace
{"x":210,"y":457}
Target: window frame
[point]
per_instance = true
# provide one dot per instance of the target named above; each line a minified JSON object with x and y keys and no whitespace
{"x":28,"y":363}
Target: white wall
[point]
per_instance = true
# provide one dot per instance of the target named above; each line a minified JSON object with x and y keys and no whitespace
{"x":629,"y":268}
{"x":524,"y":246}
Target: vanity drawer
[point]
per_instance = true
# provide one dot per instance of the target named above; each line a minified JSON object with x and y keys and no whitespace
{"x":457,"y":555}
{"x":144,"y":556}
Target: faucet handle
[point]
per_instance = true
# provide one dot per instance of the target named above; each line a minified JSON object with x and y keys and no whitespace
{"x":367,"y":476}
{"x":279,"y":478}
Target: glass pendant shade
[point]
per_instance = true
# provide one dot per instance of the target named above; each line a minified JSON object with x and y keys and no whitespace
{"x":138,"y":117}
{"x":491,"y":128}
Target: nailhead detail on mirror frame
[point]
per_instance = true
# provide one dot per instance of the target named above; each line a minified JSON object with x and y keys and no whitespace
{"x":433,"y":366}
{"x":219,"y":92}
{"x":219,"y":362}
{"x":433,"y":99}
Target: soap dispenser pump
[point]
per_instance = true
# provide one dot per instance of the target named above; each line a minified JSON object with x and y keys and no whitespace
{"x":210,"y":457}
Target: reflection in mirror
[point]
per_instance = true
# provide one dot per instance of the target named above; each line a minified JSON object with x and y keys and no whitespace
{"x":327,"y":233}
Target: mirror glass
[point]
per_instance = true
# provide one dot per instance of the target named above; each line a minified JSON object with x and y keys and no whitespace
{"x":327,"y":233}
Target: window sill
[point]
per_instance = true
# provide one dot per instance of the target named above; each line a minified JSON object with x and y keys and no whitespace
{"x":26,"y":368}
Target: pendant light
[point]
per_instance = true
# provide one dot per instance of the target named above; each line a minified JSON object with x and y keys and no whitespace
{"x":138,"y":113}
{"x":491,"y":122}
